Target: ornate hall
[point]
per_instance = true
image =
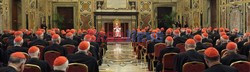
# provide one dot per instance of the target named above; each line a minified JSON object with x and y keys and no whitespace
{"x":124,"y":35}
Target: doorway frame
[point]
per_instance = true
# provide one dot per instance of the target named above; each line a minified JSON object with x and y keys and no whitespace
{"x":66,"y":4}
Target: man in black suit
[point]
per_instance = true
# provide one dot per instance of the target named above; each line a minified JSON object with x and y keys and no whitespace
{"x":222,"y":43}
{"x":17,"y":34}
{"x":16,"y":63}
{"x":177,"y":38}
{"x":206,"y":38}
{"x":27,"y":35}
{"x":94,"y":47}
{"x":56,"y":40}
{"x":60,"y":64}
{"x":169,"y":49}
{"x":246,"y":47}
{"x":241,"y":44}
{"x":81,"y":56}
{"x":34,"y":59}
{"x":18,"y":42}
{"x":231,"y":55}
{"x":188,"y":56}
{"x":234,"y":34}
{"x":69,"y":40}
{"x":3,"y":58}
{"x":150,"y":49}
{"x":212,"y":58}
{"x":199,"y":45}
{"x":39,"y":40}
{"x":188,"y":34}
{"x":43,"y":25}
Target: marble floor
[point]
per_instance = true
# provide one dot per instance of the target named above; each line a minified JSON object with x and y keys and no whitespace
{"x":121,"y":58}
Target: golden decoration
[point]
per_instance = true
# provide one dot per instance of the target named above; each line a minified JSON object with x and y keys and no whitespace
{"x":117,"y":22}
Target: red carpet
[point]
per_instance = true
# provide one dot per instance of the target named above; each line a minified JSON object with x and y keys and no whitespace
{"x":121,"y":39}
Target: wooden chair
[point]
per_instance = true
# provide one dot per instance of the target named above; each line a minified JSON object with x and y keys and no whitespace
{"x":31,"y":68}
{"x":249,"y":56}
{"x":157,"y":49}
{"x":246,"y":43}
{"x":41,"y":48}
{"x":241,"y":66}
{"x":193,"y":67}
{"x":181,"y":46}
{"x":201,"y":51}
{"x":208,"y":44}
{"x":77,"y":67}
{"x":143,"y":50}
{"x":223,"y":52}
{"x":26,"y":55}
{"x":50,"y":56}
{"x":70,"y":48}
{"x":168,"y":62}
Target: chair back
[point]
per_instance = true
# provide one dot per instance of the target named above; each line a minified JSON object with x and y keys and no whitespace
{"x":27,"y":56}
{"x":70,"y":48}
{"x":193,"y":67}
{"x":77,"y":67}
{"x":241,"y":66}
{"x":158,"y":47}
{"x":201,"y":51}
{"x":249,"y":56}
{"x":41,"y":48}
{"x":246,"y":43}
{"x":236,"y":40}
{"x":168,"y":62}
{"x":133,"y":44}
{"x":208,"y":44}
{"x":181,"y":46}
{"x":142,"y":44}
{"x":31,"y":68}
{"x":50,"y":56}
{"x":223,"y":52}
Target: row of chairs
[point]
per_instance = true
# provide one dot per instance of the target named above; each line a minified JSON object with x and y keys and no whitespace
{"x":168,"y":65}
{"x":73,"y":67}
{"x":168,"y":58}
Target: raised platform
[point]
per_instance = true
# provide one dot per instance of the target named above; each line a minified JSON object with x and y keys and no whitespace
{"x":121,"y":39}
